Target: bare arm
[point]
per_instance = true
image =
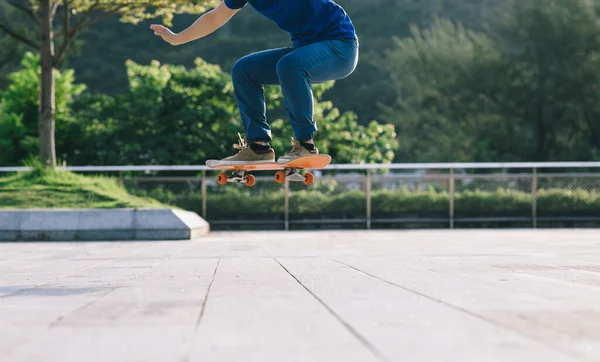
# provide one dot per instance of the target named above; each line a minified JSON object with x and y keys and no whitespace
{"x":205,"y":25}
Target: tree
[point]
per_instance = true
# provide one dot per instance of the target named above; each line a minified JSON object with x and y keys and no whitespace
{"x":551,"y":49}
{"x":438,"y":109}
{"x":20,"y":105}
{"x":74,"y":16}
{"x":527,"y":90}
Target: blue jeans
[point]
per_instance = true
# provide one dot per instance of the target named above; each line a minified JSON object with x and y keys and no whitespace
{"x":294,"y":69}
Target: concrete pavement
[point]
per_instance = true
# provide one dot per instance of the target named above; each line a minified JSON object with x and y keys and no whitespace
{"x":479,"y":295}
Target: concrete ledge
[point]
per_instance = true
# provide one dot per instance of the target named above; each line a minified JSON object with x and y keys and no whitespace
{"x":101,"y":225}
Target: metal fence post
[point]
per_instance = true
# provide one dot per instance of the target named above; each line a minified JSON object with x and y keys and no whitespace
{"x":121,"y":180}
{"x":204,"y":193}
{"x":451,"y":206}
{"x":534,"y":182}
{"x":368,"y":196}
{"x":286,"y":208}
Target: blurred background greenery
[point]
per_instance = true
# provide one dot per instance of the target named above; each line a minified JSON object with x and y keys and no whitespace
{"x":438,"y":80}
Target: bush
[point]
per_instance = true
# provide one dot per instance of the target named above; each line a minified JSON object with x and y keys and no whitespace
{"x":242,"y":203}
{"x":578,"y":202}
{"x":411,"y":204}
{"x":498,"y":203}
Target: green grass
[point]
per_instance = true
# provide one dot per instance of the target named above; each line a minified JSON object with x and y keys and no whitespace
{"x":49,"y":189}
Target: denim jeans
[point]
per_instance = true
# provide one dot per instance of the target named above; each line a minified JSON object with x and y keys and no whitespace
{"x":294,"y":69}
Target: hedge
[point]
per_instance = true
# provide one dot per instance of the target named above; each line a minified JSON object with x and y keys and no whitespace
{"x":242,"y":203}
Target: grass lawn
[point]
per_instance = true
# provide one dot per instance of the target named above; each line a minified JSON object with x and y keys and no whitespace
{"x":46,"y":189}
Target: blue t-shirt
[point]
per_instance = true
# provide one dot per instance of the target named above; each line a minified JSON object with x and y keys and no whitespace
{"x":307,"y":21}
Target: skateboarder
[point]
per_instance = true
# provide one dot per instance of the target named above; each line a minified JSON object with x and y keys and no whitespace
{"x":324,"y":47}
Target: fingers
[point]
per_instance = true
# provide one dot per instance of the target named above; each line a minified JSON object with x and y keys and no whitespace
{"x":159,"y":29}
{"x":162,"y":32}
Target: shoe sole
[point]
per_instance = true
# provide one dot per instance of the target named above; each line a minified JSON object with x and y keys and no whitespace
{"x":288,"y":160}
{"x":214,"y":163}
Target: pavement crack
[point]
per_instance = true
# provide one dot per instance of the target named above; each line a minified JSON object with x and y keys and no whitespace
{"x":362,"y":339}
{"x":203,"y":307}
{"x":464,"y":311}
{"x":188,"y":354}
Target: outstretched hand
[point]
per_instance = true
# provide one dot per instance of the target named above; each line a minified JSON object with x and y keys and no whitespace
{"x":166,"y":34}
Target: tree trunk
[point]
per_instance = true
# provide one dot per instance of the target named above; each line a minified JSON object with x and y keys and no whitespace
{"x":47,"y":101}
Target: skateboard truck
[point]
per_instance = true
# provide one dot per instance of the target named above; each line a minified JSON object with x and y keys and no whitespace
{"x":237,"y":177}
{"x":291,"y":174}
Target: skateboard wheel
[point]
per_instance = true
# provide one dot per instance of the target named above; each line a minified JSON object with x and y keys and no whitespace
{"x":309,"y":178}
{"x":222,"y":179}
{"x":280,"y":177}
{"x":250,"y":180}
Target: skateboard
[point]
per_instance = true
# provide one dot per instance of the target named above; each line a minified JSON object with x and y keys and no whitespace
{"x":285,"y":171}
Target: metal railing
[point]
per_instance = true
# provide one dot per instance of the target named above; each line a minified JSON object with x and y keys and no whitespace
{"x":369,"y":183}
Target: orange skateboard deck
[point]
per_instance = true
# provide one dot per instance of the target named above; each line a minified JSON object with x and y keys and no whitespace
{"x":290,"y":170}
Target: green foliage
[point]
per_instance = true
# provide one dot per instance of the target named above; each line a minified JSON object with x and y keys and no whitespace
{"x":38,"y":168}
{"x":339,"y":135}
{"x":517,"y":81}
{"x":19,"y":109}
{"x":11,"y":51}
{"x":472,"y":203}
{"x":437,"y":113}
{"x":135,"y":11}
{"x":171,"y":115}
{"x":99,"y":59}
{"x":46,"y":188}
{"x":175,"y":115}
{"x":551,"y":54}
{"x":22,"y":95}
{"x":525,"y":91}
{"x":74,"y":16}
{"x":239,"y":202}
{"x":404,"y":201}
{"x":12,"y":136}
{"x":578,"y":202}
